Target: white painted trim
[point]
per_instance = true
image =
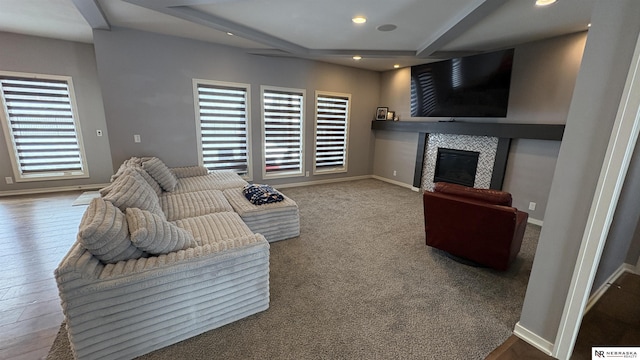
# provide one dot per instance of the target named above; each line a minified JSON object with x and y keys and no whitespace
{"x":614,"y":170}
{"x":320,"y":182}
{"x":52,"y":189}
{"x":610,"y":280}
{"x":535,"y":221}
{"x":533,"y":339}
{"x":394,"y":182}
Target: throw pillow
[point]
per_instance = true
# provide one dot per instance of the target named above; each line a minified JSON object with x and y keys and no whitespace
{"x":161,"y":173}
{"x":131,"y":190}
{"x":104,"y":232}
{"x":154,"y":234}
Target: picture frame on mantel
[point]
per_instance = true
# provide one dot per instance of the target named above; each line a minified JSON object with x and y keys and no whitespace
{"x":381,"y":113}
{"x":391,"y":115}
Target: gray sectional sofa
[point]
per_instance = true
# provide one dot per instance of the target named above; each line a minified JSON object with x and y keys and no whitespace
{"x":166,"y":254}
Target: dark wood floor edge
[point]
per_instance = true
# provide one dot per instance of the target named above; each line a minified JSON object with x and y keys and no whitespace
{"x":502,"y":349}
{"x":624,"y":269}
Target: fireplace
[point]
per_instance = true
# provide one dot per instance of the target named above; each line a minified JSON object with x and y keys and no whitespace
{"x":456,"y":166}
{"x":483,"y":148}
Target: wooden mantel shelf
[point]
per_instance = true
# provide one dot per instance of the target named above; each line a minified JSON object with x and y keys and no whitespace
{"x":500,"y":130}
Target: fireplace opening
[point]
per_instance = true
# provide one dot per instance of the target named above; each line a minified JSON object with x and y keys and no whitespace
{"x":456,"y":166}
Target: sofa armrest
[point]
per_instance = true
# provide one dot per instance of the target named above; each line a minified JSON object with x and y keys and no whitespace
{"x":112,"y":311}
{"x":80,"y":269}
{"x":189,"y":171}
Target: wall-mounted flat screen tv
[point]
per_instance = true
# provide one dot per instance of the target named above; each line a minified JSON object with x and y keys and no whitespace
{"x":470,"y":86}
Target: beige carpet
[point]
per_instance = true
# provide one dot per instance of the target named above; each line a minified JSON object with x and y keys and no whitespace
{"x":359,"y":283}
{"x":85,"y":198}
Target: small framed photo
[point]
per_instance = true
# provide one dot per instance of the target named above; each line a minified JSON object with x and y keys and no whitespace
{"x":381,"y":113}
{"x":391,"y":115}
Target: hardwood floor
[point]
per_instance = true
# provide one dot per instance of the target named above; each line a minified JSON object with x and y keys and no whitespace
{"x":613,"y":321}
{"x":35,"y":234}
{"x":37,"y":231}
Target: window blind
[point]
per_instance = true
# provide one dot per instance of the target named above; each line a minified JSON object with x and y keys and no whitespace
{"x":332,"y":116}
{"x":41,"y":121}
{"x":283,"y":115}
{"x":223,"y":127}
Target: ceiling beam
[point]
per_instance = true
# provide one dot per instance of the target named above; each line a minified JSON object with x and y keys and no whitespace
{"x":221,"y":24}
{"x":93,"y":14}
{"x":458,"y":25}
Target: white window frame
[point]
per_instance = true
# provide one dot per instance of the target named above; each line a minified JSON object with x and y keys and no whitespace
{"x":10,"y":136}
{"x":336,"y":169}
{"x":247,"y":87}
{"x":285,"y":173}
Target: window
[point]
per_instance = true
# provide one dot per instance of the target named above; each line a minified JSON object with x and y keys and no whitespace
{"x":223,"y":126}
{"x":283,"y":118}
{"x":332,"y":126}
{"x":40,"y":123}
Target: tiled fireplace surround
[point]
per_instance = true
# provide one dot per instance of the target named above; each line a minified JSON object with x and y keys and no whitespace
{"x":486,"y":146}
{"x":493,"y":139}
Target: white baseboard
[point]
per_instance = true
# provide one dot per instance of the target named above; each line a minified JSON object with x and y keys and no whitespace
{"x":533,"y":339}
{"x":52,"y":189}
{"x":535,"y":221}
{"x":593,"y":299}
{"x":394,"y":182}
{"x":320,"y":182}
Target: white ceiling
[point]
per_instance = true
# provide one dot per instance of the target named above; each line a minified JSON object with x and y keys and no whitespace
{"x":314,"y":29}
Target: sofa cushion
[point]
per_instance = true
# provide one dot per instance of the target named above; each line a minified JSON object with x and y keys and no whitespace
{"x":185,"y":205}
{"x":161,"y":173}
{"x":104,"y":232}
{"x":216,"y":227}
{"x":130,"y":190}
{"x":490,"y":196}
{"x":155,"y":235}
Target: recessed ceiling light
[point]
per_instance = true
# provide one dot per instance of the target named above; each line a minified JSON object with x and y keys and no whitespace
{"x":387,"y":27}
{"x":359,"y":20}
{"x":544,"y":2}
{"x":357,"y":57}
{"x":589,"y":25}
{"x":230,"y":34}
{"x":396,"y":66}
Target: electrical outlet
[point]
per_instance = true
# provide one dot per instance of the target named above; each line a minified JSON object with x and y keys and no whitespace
{"x":8,"y":180}
{"x":394,"y":173}
{"x":136,"y":138}
{"x":307,"y":174}
{"x":99,"y":132}
{"x":532,"y":206}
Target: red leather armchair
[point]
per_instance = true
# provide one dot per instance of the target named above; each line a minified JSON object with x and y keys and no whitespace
{"x":479,"y":225}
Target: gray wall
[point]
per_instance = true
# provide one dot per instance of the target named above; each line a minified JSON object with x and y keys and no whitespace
{"x":600,"y":82}
{"x":542,"y":82}
{"x":21,"y":53}
{"x":147,"y":88}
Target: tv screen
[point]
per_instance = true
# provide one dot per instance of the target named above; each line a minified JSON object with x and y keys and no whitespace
{"x":470,"y":86}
